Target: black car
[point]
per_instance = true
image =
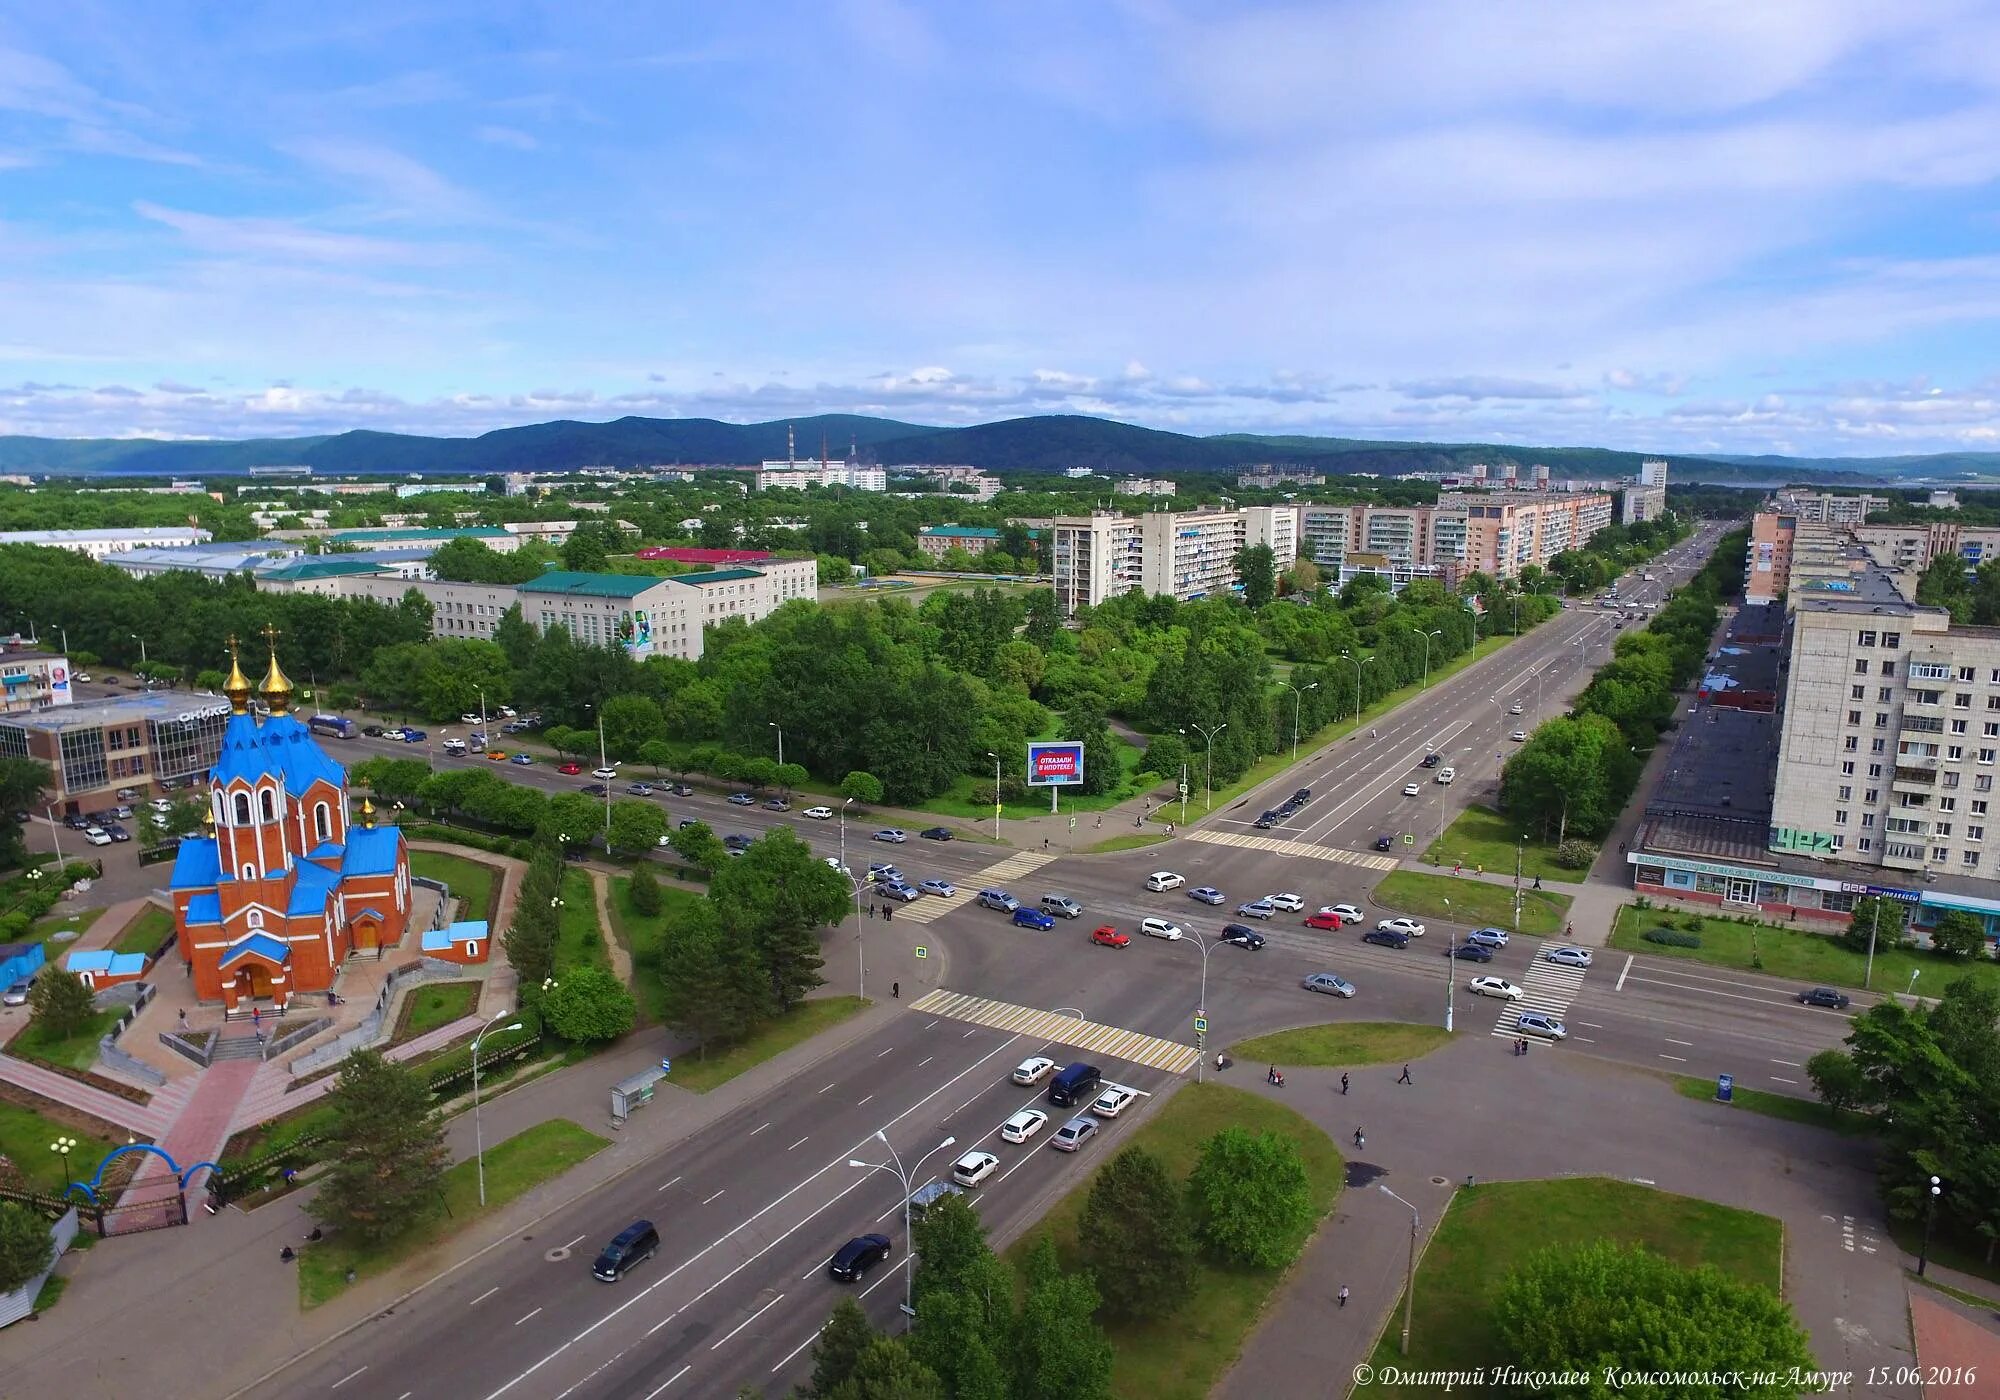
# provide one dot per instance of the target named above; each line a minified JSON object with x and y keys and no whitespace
{"x":737,"y":841}
{"x":1431,"y":760}
{"x":1388,"y":938}
{"x":685,"y":822}
{"x":1303,"y":796}
{"x":857,"y":1257}
{"x":936,"y":833}
{"x":595,"y":790}
{"x":76,"y":821}
{"x":1243,"y":936}
{"x":1384,"y":842}
{"x":1269,"y":820}
{"x":1824,"y":996}
{"x":116,"y":832}
{"x":1472,"y":952}
{"x":372,"y":731}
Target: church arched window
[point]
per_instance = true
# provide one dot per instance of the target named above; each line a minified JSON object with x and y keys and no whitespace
{"x":269,"y":805}
{"x":255,"y":918}
{"x":249,"y":871}
{"x":243,"y":809}
{"x":322,"y":823}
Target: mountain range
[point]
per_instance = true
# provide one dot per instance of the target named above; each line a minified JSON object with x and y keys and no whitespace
{"x":1039,"y":444}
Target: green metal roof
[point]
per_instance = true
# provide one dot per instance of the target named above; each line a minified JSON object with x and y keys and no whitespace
{"x":591,"y":585}
{"x":970,"y":532}
{"x":325,"y":566}
{"x":470,"y":532}
{"x":715,"y":576}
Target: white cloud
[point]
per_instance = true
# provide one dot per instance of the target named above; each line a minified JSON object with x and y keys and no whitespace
{"x":509,"y":136}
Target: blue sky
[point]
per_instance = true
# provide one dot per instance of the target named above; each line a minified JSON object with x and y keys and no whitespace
{"x":1686,"y":227}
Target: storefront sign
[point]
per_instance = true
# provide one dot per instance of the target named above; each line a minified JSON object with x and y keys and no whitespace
{"x":1733,"y":872}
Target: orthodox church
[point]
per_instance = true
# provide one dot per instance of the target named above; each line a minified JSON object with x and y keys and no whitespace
{"x":280,"y":889}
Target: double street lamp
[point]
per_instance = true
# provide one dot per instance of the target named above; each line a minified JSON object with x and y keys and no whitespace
{"x":1434,"y":632}
{"x":1208,"y":778}
{"x":1359,"y":662}
{"x":478,"y":1140}
{"x":905,"y":1177}
{"x":62,"y":1147}
{"x":1201,"y":1009}
{"x":1297,"y":696}
{"x":860,"y":959}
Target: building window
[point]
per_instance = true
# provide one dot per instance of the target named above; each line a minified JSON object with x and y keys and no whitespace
{"x":1847,"y":768}
{"x":1840,"y":816}
{"x":1943,"y":829}
{"x":1874,"y":770}
{"x":1962,"y":700}
{"x":1878,"y":746}
{"x":1888,"y":668}
{"x":249,"y":872}
{"x":1959,"y":726}
{"x":270,"y":807}
{"x":1852,"y":743}
{"x":242,"y":809}
{"x":1872,"y":795}
{"x":1867,"y":819}
{"x":1986,"y":755}
{"x":1859,"y":692}
{"x":1982,"y":782}
{"x":1892,"y":641}
{"x":1865,"y":844}
{"x":1866,"y":639}
{"x":1846,"y":793}
{"x":1947,"y":804}
{"x":1965,"y":673}
{"x":1861,"y":667}
{"x":1940,"y":854}
{"x":1854,"y":716}
{"x":1882,"y":696}
{"x":322,"y":824}
{"x":1969,"y":859}
{"x":1975,"y":833}
{"x":1954,"y":753}
{"x":1881,"y":719}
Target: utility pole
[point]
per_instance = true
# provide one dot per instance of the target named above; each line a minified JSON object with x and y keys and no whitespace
{"x":1519,"y":846}
{"x":1874,"y":928}
{"x":1208,"y":801}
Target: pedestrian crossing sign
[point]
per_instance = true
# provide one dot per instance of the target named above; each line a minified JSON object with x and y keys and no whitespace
{"x":922,"y":951}
{"x":1072,"y":822}
{"x":1408,"y":839}
{"x":1200,"y":1024}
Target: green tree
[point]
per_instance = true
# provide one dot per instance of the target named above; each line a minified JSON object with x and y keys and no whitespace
{"x":1250,"y":1198}
{"x":1884,"y":921}
{"x":951,"y":1248}
{"x":644,"y":891}
{"x":385,"y":1151}
{"x":1165,"y":755}
{"x":760,"y":772}
{"x":792,"y":776}
{"x":1257,"y":566}
{"x":712,"y":988}
{"x":1043,"y":623}
{"x":60,"y":1003}
{"x":1569,"y":1309}
{"x":658,"y":755}
{"x":1838,"y":1080}
{"x":584,"y":551}
{"x":886,"y":1370}
{"x":630,"y":721}
{"x":26,"y":1246}
{"x":636,"y":826}
{"x":841,"y":1342}
{"x":698,"y":845}
{"x":863,"y":787}
{"x":1135,"y":1237}
{"x":1957,"y":934}
{"x":589,"y":1004}
{"x":776,"y":897}
{"x":1101,"y":772}
{"x":1059,"y":1351}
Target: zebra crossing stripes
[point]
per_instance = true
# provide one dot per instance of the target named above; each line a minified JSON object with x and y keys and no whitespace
{"x":1546,"y":987}
{"x":932,"y":907}
{"x":1112,"y":1042}
{"x":1367,"y":860}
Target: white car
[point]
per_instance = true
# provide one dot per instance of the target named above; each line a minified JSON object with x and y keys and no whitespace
{"x":97,"y":836}
{"x":1494,"y":987}
{"x":820,"y":814}
{"x":833,"y":863}
{"x":468,"y":719}
{"x":1290,"y":903}
{"x":1445,"y":775}
{"x":607,"y":773}
{"x":1023,"y":1125}
{"x":1163,"y":880}
{"x":1404,"y":926}
{"x":1347,"y":913}
{"x":973,"y":1168}
{"x":1411,"y":789}
{"x":1515,"y":708}
{"x":1034,"y":1071}
{"x":1160,"y":928}
{"x":1568,"y":957}
{"x":160,"y":804}
{"x":1519,"y":736}
{"x":1113,"y":1101}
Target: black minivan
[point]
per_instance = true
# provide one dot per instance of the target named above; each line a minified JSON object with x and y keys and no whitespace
{"x":1075,"y":1084}
{"x":637,"y":1242}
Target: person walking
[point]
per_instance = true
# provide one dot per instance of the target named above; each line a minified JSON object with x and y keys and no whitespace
{"x":1342,"y":1295}
{"x":896,"y":990}
{"x":888,"y":913}
{"x":1404,"y":1078}
{"x":184,"y":1020}
{"x":1360,"y":1138}
{"x":1343,"y":1085}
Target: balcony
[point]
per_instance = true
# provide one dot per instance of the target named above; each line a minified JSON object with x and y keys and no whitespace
{"x":1924,"y":777}
{"x":1921,"y":724}
{"x":1898,"y":856}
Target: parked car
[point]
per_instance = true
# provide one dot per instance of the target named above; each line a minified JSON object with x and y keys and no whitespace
{"x":1034,"y":1070}
{"x":1207,"y":894}
{"x":820,"y":814}
{"x":1110,"y":937}
{"x":640,"y":790}
{"x":938,"y":887}
{"x":1494,"y":987}
{"x":468,"y":719}
{"x":414,"y":736}
{"x":116,"y":832}
{"x":607,"y":772}
{"x":1824,"y":996}
{"x":680,"y":789}
{"x":97,"y":836}
{"x":776,"y":804}
{"x":1290,"y":903}
{"x":373,"y":731}
{"x":1023,"y":1125}
{"x":77,"y":821}
{"x":857,"y":1257}
{"x":17,"y":995}
{"x":524,"y":759}
{"x":1163,"y":880}
{"x":1074,"y":1134}
{"x":1024,"y":917}
{"x":1329,"y":983}
{"x":1257,"y":909}
{"x":123,"y":812}
{"x":742,"y":799}
{"x":1349,"y":913}
{"x":1324,"y":920}
{"x":1471,"y":952}
{"x":1160,"y":928}
{"x":1243,"y":936}
{"x":883,"y":870}
{"x":1387,"y":937}
{"x":1567,"y":957}
{"x":892,"y":836}
{"x":937,"y":833}
{"x":1409,"y":927}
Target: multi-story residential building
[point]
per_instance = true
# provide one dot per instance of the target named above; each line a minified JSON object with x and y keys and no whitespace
{"x":1189,"y":554}
{"x":1816,"y":508}
{"x":33,"y":680}
{"x":1093,"y":557}
{"x":1276,"y":526}
{"x":1268,"y":477}
{"x":1505,"y":531}
{"x":1143,"y":486}
{"x":99,"y":544}
{"x":94,"y":747}
{"x":1767,"y":572}
{"x":1638,"y":501}
{"x":789,"y":475}
{"x":1406,"y":535}
{"x":1915,"y":546}
{"x":1653,"y":473}
{"x":937,"y":540}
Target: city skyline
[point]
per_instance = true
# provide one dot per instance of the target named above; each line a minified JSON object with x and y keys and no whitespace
{"x":1705,"y":230}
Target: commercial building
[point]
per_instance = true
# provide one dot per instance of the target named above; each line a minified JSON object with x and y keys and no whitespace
{"x":95,"y":747}
{"x":1816,"y":508}
{"x":33,"y":680}
{"x":100,"y":543}
{"x":492,"y":536}
{"x":1505,"y":531}
{"x":212,"y":560}
{"x":1143,"y":486}
{"x":1396,"y":573}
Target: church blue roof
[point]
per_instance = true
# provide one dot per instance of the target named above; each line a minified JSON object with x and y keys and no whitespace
{"x":204,"y":909}
{"x":263,"y":945}
{"x":197,"y":865}
{"x":371,"y":850}
{"x":280,"y":745}
{"x":312,"y":886}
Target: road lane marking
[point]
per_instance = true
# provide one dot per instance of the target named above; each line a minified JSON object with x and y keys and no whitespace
{"x":1779,"y":1078}
{"x":925,"y":1060}
{"x":670,"y":1380}
{"x":1671,"y":1041}
{"x":519,"y":1320}
{"x":1790,"y":1064}
{"x":864,"y":1101}
{"x":484,"y":1296}
{"x":975,"y":1028}
{"x":750,"y":1319}
{"x":348,"y":1377}
{"x":880,"y":1053}
{"x":1592,"y":1024}
{"x":825,"y":1088}
{"x":760,"y":1128}
{"x":1677,"y":1059}
{"x":794,"y":1352}
{"x":1622,"y":972}
{"x":670,"y":1183}
{"x":574,"y":1243}
{"x":795,"y":1146}
{"x":716,"y":1197}
{"x":887,"y":1274}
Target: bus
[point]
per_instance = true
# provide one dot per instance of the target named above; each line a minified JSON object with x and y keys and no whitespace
{"x":339,"y":726}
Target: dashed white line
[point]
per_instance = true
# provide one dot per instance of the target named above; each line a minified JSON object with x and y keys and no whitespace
{"x":750,"y":1319}
{"x":825,"y":1088}
{"x":484,"y":1296}
{"x":864,"y":1101}
{"x":574,"y":1243}
{"x":1592,"y":1024}
{"x":1780,"y":1079}
{"x":887,"y":1274}
{"x":348,"y":1377}
{"x":973,"y":1031}
{"x":1621,"y":973}
{"x":670,"y":1380}
{"x":760,"y":1128}
{"x":1677,"y":1059}
{"x":925,"y":1060}
{"x":795,"y":1146}
{"x":664,"y":1185}
{"x":519,"y":1320}
{"x":930,"y":1023}
{"x":1789,"y":1064}
{"x":716,"y":1197}
{"x":794,"y":1352}
{"x":1671,"y":1041}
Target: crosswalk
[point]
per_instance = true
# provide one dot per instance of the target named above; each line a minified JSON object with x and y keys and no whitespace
{"x":932,"y":907}
{"x":1367,"y":860}
{"x":1112,"y":1042}
{"x":1546,"y":987}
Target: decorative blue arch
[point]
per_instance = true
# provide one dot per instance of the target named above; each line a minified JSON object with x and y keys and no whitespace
{"x":117,"y":1152}
{"x":188,"y":1175}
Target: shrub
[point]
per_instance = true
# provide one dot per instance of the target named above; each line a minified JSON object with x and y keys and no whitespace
{"x":1575,"y":855}
{"x":1693,"y":924}
{"x":645,"y":891}
{"x":1671,"y":939}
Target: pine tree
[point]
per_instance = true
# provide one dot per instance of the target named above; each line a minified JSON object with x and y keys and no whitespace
{"x":841,"y":1342}
{"x":1134,"y":1235}
{"x":387,"y":1154}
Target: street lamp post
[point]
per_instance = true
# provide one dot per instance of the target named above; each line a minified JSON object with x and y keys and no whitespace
{"x":905,"y":1177}
{"x":478,"y":1140}
{"x":1930,"y":1210}
{"x":1450,"y":974}
{"x":63,"y":632}
{"x":860,"y":961}
{"x":1208,"y":779}
{"x":55,"y":836}
{"x":63,"y":1146}
{"x":781,"y":740}
{"x":996,"y":792}
{"x":1359,"y":662}
{"x":142,"y":646}
{"x":1410,"y":1270}
{"x":1434,"y":632}
{"x":1297,"y":696}
{"x":1202,"y":1010}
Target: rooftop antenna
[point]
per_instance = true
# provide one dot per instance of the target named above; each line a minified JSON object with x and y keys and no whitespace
{"x":791,"y":445}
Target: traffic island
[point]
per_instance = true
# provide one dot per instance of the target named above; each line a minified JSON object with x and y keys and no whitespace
{"x":1474,"y":901}
{"x":1342,"y":1044}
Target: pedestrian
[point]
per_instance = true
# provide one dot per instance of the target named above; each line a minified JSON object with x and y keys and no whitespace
{"x":1100,"y":819}
{"x":260,"y":1040}
{"x":1360,"y":1138}
{"x":1405,"y":1077}
{"x":896,"y":990}
{"x":1045,"y":843}
{"x":888,"y":913}
{"x":871,"y":908}
{"x":1342,"y":1295}
{"x":1538,"y":882}
{"x":291,"y":1176}
{"x":256,"y":1018}
{"x":184,"y":1020}
{"x":287,"y":1255}
{"x":1458,"y":867}
{"x":1621,"y":848}
{"x":1343,"y":1085}
{"x":1170,"y":828}
{"x":1480,"y":869}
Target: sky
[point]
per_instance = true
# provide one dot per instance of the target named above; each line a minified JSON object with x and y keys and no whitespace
{"x":1687,"y":227}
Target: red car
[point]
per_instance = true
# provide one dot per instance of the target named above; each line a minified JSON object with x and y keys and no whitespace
{"x":570,"y":769}
{"x":1110,"y":937}
{"x":1323,"y":920}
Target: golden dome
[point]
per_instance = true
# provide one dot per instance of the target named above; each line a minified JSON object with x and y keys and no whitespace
{"x":367,"y":813}
{"x":277,"y":687}
{"x":237,"y":687}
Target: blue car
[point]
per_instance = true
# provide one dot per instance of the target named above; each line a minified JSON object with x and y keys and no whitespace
{"x":414,"y":736}
{"x":524,"y":759}
{"x":1025,"y":917}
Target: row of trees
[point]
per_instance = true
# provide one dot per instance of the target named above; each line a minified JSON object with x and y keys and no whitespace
{"x":570,"y":820}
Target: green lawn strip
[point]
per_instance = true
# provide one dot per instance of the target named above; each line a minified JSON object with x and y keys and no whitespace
{"x":1815,"y":959}
{"x":1945,"y":1251}
{"x":1483,"y":1235}
{"x":475,"y":883}
{"x":957,"y":800}
{"x":433,"y":1005}
{"x":1969,"y":1299}
{"x":145,"y":933}
{"x":1343,"y":1043}
{"x":1131,"y":841}
{"x":1543,"y":912}
{"x":1482,"y":836}
{"x":1771,"y":1105}
{"x":77,"y":1051}
{"x":56,"y":921}
{"x":699,"y":1074}
{"x":1181,"y":1357}
{"x":513,"y":1167}
{"x":25,"y":1136}
{"x":579,"y":938}
{"x":641,"y":936}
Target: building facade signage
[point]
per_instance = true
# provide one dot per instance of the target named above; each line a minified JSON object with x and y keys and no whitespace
{"x":196,"y":716}
{"x":1734,"y":872}
{"x":1881,"y":892}
{"x":1791,"y":838}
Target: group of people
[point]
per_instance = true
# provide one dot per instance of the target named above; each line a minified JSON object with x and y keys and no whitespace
{"x":1274,"y":1075}
{"x":888,"y":911}
{"x":1521,"y":1045}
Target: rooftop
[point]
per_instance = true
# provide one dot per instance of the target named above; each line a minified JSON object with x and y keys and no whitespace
{"x":321,"y":566}
{"x":154,"y":705}
{"x":597,"y":585}
{"x":714,"y":576}
{"x":470,"y":532}
{"x":690,"y":555}
{"x":161,"y":532}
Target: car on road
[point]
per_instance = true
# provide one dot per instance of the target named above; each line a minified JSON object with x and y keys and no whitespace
{"x":1074,"y":1134}
{"x":898,"y":891}
{"x":892,"y":835}
{"x":116,"y":832}
{"x":1471,"y":952}
{"x":938,"y":887}
{"x":1494,"y":987}
{"x":1303,"y":796}
{"x":832,"y":863}
{"x":1269,"y":820}
{"x":632,"y":1246}
{"x":1327,"y":982}
{"x":1408,"y":927}
{"x":414,"y":736}
{"x":1541,"y":1024}
{"x":16,"y":995}
{"x":1411,"y":789}
{"x":1062,"y":906}
{"x":1023,"y":1125}
{"x":776,"y":804}
{"x":496,"y":755}
{"x":819,"y":814}
{"x":640,"y":790}
{"x":1243,"y":936}
{"x":680,"y":789}
{"x":1160,"y":928}
{"x":1445,"y":776}
{"x":1110,"y":937}
{"x":1024,"y":917}
{"x":524,"y":759}
{"x":974,"y":1167}
{"x":883,"y":870}
{"x":1034,"y":1070}
{"x":1385,"y":842}
{"x":97,"y":836}
{"x":998,"y":899}
{"x":1323,"y":919}
{"x":1387,"y":937}
{"x":1163,"y":880}
{"x":937,"y":833}
{"x":1113,"y":1101}
{"x":1519,"y":736}
{"x":607,"y":772}
{"x":1567,"y":957}
{"x":1349,"y":913}
{"x":1489,"y":937}
{"x":685,"y":822}
{"x":1431,"y":760}
{"x":1207,"y":894}
{"x":570,"y":770}
{"x":1290,"y":903}
{"x":596,"y":790}
{"x":857,"y":1257}
{"x":1515,"y":708}
{"x":1824,"y":996}
{"x":742,"y":799}
{"x":1257,"y":909}
{"x":736,"y":843}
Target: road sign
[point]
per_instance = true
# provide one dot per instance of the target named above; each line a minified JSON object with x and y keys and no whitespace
{"x":666,"y":1065}
{"x":1072,"y":822}
{"x":1725,"y":1087}
{"x":1184,"y":792}
{"x":1200,"y":1025}
{"x":1409,"y":840}
{"x":922,"y":951}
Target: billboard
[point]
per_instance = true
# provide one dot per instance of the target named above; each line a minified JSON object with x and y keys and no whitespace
{"x":60,"y":692}
{"x":1054,"y":765}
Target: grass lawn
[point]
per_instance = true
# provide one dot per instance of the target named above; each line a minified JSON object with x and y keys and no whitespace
{"x":1131,"y":841}
{"x":146,"y":932}
{"x":1483,"y":1235}
{"x":475,"y":883}
{"x":25,"y":1136}
{"x":579,"y":939}
{"x":513,"y":1168}
{"x":1180,"y":1357}
{"x":1472,"y":901}
{"x":1482,"y":836}
{"x":1813,"y":958}
{"x":957,"y":800}
{"x":774,"y":1037}
{"x":1950,"y":1253}
{"x":78,"y":1051}
{"x":1777,"y":1106}
{"x":641,"y":935}
{"x":1349,"y":1043}
{"x":433,"y":1005}
{"x":58,"y":919}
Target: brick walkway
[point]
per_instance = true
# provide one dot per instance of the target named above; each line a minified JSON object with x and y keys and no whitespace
{"x":267,"y":1097}
{"x":150,"y":1119}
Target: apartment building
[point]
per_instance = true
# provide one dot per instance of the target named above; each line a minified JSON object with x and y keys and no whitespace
{"x":1817,"y":508}
{"x":1915,"y":546}
{"x":1505,"y":531}
{"x":33,"y":680}
{"x":935,"y":541}
{"x":1641,"y":501}
{"x":1268,"y":477}
{"x":1275,"y":526}
{"x":1406,"y":535}
{"x":1190,"y":554}
{"x":1143,"y":486}
{"x":788,"y":475}
{"x":1093,"y":557}
{"x":1767,"y":571}
{"x":492,"y":536}
{"x":99,"y":544}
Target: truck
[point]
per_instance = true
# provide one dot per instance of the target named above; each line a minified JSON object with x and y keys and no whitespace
{"x":339,"y":726}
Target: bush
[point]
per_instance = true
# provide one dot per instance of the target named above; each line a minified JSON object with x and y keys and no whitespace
{"x":1671,"y":939}
{"x":645,"y":892}
{"x":1575,"y":855}
{"x":1692,"y":923}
